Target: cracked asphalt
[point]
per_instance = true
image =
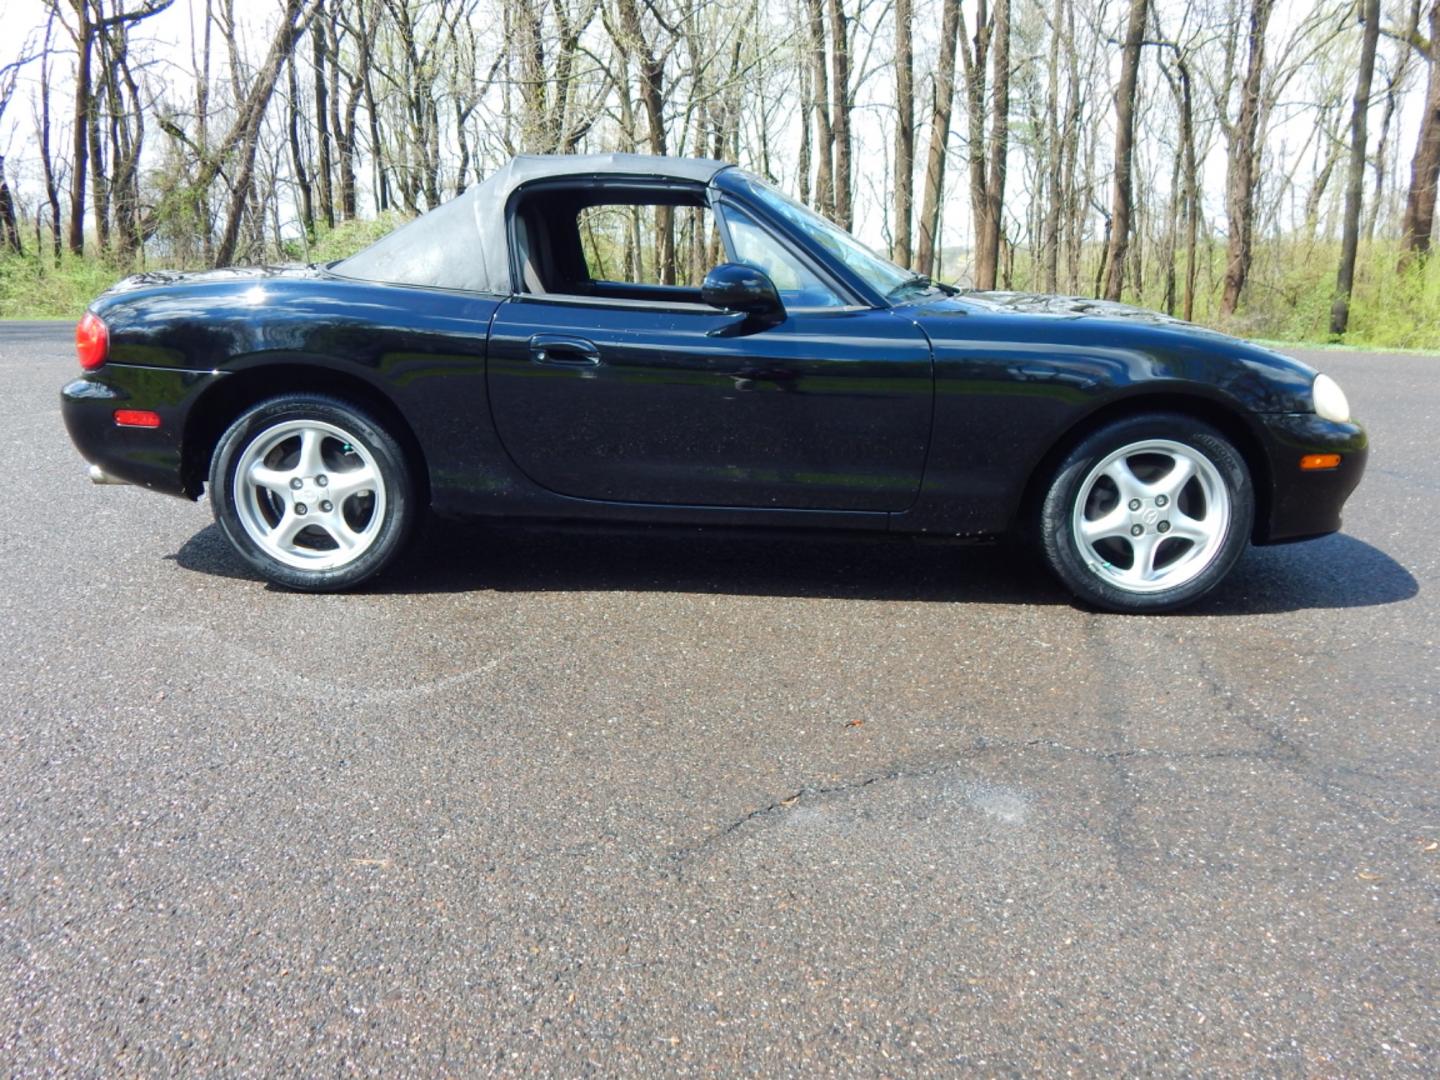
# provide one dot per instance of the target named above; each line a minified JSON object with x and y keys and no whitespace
{"x":696,"y":804}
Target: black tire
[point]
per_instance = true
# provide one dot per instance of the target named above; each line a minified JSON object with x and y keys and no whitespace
{"x":341,"y":541}
{"x":1191,"y":554}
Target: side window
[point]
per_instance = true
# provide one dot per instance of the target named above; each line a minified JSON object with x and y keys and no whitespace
{"x":648,"y":244}
{"x":799,"y":287}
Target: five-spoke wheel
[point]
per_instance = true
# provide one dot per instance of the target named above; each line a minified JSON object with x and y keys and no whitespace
{"x":1148,"y":513}
{"x":312,"y":491}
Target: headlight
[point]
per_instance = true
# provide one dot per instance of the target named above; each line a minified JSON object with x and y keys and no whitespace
{"x":1330,"y":400}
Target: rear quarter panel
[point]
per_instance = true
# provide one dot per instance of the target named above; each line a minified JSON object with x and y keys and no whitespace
{"x":423,"y":349}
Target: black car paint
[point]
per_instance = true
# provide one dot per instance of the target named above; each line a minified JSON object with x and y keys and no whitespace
{"x":928,"y":416}
{"x":826,"y":411}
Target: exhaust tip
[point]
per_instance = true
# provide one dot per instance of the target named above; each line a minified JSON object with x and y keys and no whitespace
{"x":100,"y":476}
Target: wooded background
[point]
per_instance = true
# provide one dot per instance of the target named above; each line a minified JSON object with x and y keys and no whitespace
{"x":1264,"y":168}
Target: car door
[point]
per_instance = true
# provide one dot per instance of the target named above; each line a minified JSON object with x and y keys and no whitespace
{"x":676,"y":403}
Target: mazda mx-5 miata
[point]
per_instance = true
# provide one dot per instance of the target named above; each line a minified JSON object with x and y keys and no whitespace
{"x":515,"y":353}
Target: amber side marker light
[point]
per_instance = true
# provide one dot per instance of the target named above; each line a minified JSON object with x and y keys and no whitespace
{"x":136,"y":418}
{"x":1316,"y":462}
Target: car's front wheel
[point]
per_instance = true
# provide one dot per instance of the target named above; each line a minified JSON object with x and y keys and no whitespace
{"x":1148,"y":513}
{"x":313,"y":492}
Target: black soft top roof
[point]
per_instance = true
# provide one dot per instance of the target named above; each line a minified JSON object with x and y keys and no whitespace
{"x":461,"y":244}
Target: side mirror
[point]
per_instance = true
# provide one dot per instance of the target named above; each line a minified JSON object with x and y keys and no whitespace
{"x":743,"y":289}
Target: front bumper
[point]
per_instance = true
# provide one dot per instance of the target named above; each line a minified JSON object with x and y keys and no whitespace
{"x":1305,"y":503}
{"x":149,"y":457}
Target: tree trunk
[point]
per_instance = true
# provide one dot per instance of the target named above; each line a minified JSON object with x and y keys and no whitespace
{"x":904,"y":132}
{"x":1419,"y":218}
{"x":1124,"y":149}
{"x":1355,"y":178}
{"x":128,"y":129}
{"x":802,"y":162}
{"x":824,"y":133}
{"x":987,"y":177}
{"x":1394,"y":85}
{"x":9,"y":225}
{"x":988,"y":224}
{"x":1240,"y":172}
{"x":99,"y":191}
{"x":840,"y":113}
{"x":383,"y":200}
{"x":1321,"y":184}
{"x":297,"y":153}
{"x":344,"y":124}
{"x":84,"y":36}
{"x":322,"y":118}
{"x":1175,"y":215}
{"x":1054,"y":162}
{"x":1192,"y":188}
{"x":652,"y":97}
{"x":941,"y":108}
{"x":47,"y":164}
{"x":535,"y":136}
{"x":974,"y":58}
{"x":1073,"y":203}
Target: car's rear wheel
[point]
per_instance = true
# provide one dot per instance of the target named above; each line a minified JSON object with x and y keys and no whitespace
{"x":313,"y":492}
{"x":1148,"y":513}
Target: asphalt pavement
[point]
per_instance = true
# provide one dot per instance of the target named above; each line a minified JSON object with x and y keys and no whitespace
{"x":682,"y":804}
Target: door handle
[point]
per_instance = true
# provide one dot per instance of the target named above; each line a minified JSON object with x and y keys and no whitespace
{"x":563,"y":350}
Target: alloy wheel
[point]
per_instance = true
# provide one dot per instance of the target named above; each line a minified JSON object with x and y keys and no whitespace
{"x":310,"y":494}
{"x":1151,"y":516}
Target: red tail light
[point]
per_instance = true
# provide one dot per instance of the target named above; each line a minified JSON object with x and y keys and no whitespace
{"x":92,"y":341}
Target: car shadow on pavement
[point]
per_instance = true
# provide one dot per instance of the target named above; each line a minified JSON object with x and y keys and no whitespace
{"x":453,"y":557}
{"x":1335,"y":572}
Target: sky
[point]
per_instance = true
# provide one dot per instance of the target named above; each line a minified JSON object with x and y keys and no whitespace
{"x":168,"y":45}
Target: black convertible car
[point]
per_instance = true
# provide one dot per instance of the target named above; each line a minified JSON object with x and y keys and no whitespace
{"x":588,"y":338}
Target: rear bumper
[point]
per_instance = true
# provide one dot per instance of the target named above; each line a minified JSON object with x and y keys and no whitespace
{"x":1303,"y":504}
{"x":148,"y":457}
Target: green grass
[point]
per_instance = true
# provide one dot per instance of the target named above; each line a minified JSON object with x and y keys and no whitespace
{"x":347,"y":238}
{"x":1287,"y":299}
{"x":33,"y":288}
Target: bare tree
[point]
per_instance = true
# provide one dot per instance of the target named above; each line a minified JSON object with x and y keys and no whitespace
{"x":245,"y":133}
{"x":298,"y":154}
{"x":1355,"y":179}
{"x":1419,"y":220}
{"x":904,"y":180}
{"x":824,"y":146}
{"x":9,"y":221}
{"x":42,"y":140}
{"x":943,"y":102}
{"x":633,"y":41}
{"x":1331,"y":146}
{"x":89,"y":21}
{"x":1240,"y":174}
{"x":1124,"y":149}
{"x":1395,"y":77}
{"x":402,"y":103}
{"x":987,"y":171}
{"x":841,"y":105}
{"x":319,"y":51}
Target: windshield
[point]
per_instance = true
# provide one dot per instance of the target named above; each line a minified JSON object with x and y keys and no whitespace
{"x":879,"y":273}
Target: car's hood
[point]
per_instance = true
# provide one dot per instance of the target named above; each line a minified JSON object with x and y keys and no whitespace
{"x":1068,"y":306}
{"x":1069,"y":309}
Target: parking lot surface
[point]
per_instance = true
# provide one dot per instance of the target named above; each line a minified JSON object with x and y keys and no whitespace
{"x":689,"y":803}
